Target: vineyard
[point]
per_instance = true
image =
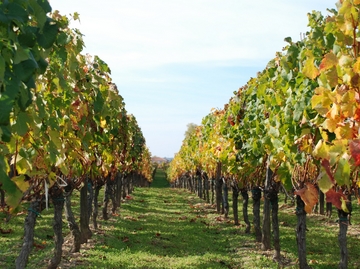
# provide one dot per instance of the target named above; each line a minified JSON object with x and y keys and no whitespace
{"x":64,"y":132}
{"x":63,"y":126}
{"x":294,"y":128}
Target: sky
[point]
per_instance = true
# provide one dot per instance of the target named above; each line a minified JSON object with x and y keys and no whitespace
{"x":175,"y":60}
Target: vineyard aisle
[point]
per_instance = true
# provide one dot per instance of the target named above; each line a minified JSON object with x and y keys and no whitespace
{"x":161,"y":227}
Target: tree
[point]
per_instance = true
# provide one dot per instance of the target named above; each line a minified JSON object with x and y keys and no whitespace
{"x":191,"y":127}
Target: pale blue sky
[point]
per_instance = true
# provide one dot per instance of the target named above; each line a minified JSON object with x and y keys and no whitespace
{"x":174,"y":60}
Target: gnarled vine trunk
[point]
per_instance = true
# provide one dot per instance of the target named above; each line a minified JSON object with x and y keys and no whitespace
{"x":321,"y":203}
{"x":73,"y":226}
{"x":218,"y":188}
{"x":29,"y":226}
{"x":343,"y":227}
{"x":58,"y":201}
{"x":274,"y":203}
{"x":256,"y":196}
{"x":225,"y":199}
{"x":301,"y":232}
{"x":245,"y":196}
{"x":84,"y":219}
{"x":235,"y":204}
{"x":206,"y":187}
{"x":266,"y":229}
{"x":96,"y":205}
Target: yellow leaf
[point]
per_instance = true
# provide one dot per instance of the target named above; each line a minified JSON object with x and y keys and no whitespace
{"x":103,"y":123}
{"x":356,"y":66}
{"x":52,"y":179}
{"x":309,"y":69}
{"x":328,"y":61}
{"x":21,"y":183}
{"x":344,"y":132}
{"x":330,"y":125}
{"x":343,"y":205}
{"x":321,"y":150}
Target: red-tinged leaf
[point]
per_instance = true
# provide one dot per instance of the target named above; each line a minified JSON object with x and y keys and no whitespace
{"x":336,"y":198}
{"x":326,"y":164}
{"x":231,"y":121}
{"x":158,"y":234}
{"x":128,"y":197}
{"x":309,"y":195}
{"x":354,"y":146}
{"x":357,"y":114}
{"x":328,"y":61}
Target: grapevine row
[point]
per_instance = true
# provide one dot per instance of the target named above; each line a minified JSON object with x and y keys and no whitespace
{"x":296,"y":124}
{"x":63,"y":123}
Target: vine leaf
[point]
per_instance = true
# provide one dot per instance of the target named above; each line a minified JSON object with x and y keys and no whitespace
{"x":328,"y":61}
{"x":337,"y":199}
{"x":324,"y":182}
{"x":326,"y":164}
{"x":21,"y":183}
{"x":310,"y":69}
{"x":309,"y":195}
{"x":354,"y":146}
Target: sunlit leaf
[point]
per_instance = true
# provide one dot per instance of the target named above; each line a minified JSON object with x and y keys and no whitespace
{"x":342,"y":173}
{"x":321,"y":150}
{"x":324,"y":182}
{"x":310,"y":70}
{"x":328,"y":61}
{"x":344,"y":132}
{"x":336,"y":198}
{"x":309,"y":195}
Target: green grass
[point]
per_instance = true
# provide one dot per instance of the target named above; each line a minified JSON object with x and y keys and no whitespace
{"x":170,"y":228}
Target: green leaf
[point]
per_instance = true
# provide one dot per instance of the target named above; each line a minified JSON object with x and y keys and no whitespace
{"x":25,"y":69}
{"x":45,"y":5}
{"x":27,"y":37}
{"x":21,"y":55}
{"x":21,"y":125}
{"x":17,"y":12}
{"x":7,"y":185}
{"x":2,"y":68}
{"x":39,"y":12}
{"x":54,"y":136}
{"x":6,"y":134}
{"x":324,"y":182}
{"x":7,"y":100}
{"x":48,"y":35}
{"x":342,"y":174}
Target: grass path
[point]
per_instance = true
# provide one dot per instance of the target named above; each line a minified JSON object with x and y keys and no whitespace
{"x":161,"y":227}
{"x":168,"y":228}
